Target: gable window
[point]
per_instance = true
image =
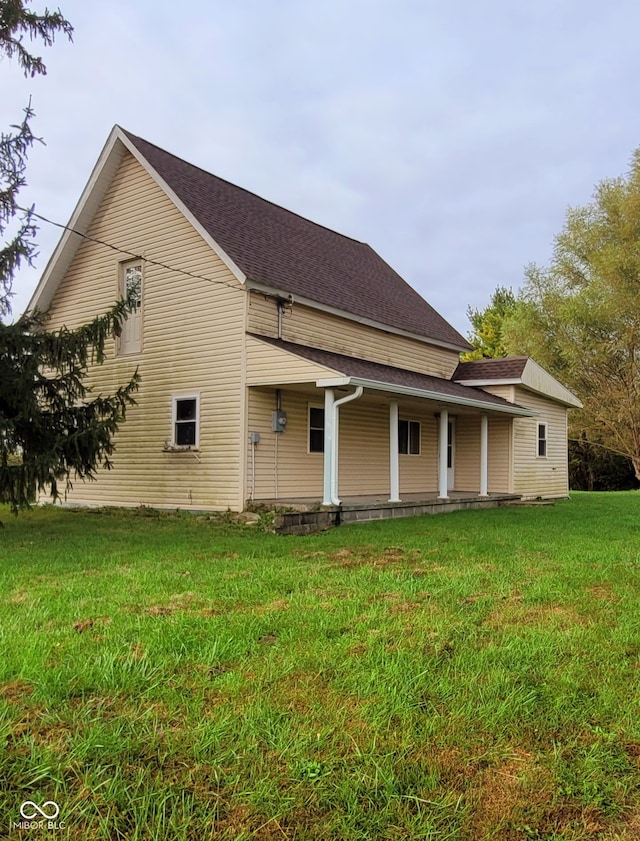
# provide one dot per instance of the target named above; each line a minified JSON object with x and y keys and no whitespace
{"x":316,"y":429}
{"x":542,"y":440}
{"x":130,"y":284}
{"x":186,"y":421}
{"x":409,"y":437}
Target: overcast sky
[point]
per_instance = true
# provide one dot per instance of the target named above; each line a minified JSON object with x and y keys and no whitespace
{"x":450,"y":136}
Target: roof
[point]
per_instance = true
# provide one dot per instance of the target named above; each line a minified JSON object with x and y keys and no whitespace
{"x":508,"y":368}
{"x":387,"y":377}
{"x":515,"y":370}
{"x":281,"y":250}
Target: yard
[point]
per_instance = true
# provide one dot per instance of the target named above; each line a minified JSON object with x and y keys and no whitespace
{"x":473,"y":676}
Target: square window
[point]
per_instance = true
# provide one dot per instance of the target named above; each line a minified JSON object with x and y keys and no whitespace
{"x":542,"y":440}
{"x":409,"y":437}
{"x":316,"y":429}
{"x":185,"y":421}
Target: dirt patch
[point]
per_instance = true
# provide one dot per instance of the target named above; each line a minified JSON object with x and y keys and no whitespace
{"x":512,"y":612}
{"x":603,"y":592}
{"x":373,"y":556}
{"x":15,"y":690}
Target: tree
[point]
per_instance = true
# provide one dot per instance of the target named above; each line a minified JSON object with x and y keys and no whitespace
{"x":580,"y":316}
{"x":486,"y":336}
{"x":51,"y":427}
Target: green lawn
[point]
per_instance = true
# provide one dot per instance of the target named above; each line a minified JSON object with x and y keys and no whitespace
{"x":472,"y":676}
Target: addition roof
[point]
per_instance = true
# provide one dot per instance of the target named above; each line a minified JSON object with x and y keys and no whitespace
{"x":280,"y":250}
{"x":508,"y":368}
{"x":400,"y":380}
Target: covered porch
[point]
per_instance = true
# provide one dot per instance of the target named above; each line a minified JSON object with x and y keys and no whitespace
{"x":350,"y":435}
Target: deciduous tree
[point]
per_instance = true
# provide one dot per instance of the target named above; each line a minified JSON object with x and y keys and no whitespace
{"x":580,"y":315}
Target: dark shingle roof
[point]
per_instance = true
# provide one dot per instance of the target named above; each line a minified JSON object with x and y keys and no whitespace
{"x":510,"y":368}
{"x":284,"y":251}
{"x":362,"y":369}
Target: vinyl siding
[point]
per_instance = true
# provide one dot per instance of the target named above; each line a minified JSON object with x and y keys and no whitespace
{"x":467,"y":454}
{"x":535,"y":476}
{"x":307,"y":326}
{"x":192,"y":342}
{"x":364,"y":448}
{"x":268,"y":365}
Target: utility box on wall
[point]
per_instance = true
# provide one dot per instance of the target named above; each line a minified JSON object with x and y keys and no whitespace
{"x":279,"y":421}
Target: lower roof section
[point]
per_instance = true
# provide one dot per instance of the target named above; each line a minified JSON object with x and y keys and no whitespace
{"x":334,"y":369}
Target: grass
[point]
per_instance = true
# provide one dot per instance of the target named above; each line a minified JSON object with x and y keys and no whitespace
{"x":474,"y":676}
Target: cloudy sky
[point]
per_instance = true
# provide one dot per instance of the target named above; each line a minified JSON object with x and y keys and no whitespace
{"x":450,"y":136}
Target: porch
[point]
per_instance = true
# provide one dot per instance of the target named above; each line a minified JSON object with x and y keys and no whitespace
{"x":308,"y":515}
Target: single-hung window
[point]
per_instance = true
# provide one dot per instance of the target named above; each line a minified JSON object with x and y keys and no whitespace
{"x":186,"y":412}
{"x":409,"y":437}
{"x":316,"y":429}
{"x":542,"y":440}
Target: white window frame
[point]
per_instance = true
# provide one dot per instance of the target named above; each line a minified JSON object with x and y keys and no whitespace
{"x":174,"y":420}
{"x":409,"y":421}
{"x":545,"y":426}
{"x":311,"y":452}
{"x":121,"y":350}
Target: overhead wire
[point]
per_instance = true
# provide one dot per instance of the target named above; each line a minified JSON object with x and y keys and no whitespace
{"x":124,"y":251}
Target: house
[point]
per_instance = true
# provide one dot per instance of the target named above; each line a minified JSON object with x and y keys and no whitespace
{"x":280,"y":360}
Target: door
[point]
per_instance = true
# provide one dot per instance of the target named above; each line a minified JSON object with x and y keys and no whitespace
{"x":451,"y":454}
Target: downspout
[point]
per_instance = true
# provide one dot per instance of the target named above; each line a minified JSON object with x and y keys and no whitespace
{"x":334,"y":455}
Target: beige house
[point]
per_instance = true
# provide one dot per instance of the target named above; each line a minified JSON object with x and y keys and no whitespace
{"x":280,"y":360}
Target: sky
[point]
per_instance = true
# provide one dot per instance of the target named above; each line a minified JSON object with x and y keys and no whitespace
{"x":450,"y":136}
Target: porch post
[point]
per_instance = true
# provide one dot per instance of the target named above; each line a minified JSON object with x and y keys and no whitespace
{"x":328,"y":445}
{"x":484,"y":455}
{"x":394,"y":468}
{"x":442,"y":454}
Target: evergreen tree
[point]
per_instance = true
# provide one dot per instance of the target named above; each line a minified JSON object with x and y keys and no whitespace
{"x":51,"y":428}
{"x":486,"y":336}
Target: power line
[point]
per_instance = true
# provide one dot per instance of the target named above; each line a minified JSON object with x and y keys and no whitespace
{"x":131,"y":254}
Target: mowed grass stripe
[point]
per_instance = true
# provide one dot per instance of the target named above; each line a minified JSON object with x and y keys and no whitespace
{"x":474,"y":676}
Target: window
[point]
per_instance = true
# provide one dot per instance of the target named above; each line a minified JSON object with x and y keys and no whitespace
{"x":186,"y":421}
{"x":409,"y":437}
{"x":542,"y":440}
{"x":130,"y":340}
{"x":316,"y":429}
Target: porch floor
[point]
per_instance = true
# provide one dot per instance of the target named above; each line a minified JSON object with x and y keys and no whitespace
{"x":309,"y":515}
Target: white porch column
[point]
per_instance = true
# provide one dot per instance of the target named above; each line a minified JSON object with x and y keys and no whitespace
{"x":484,"y":455}
{"x":329,"y":443}
{"x":443,"y":446}
{"x":394,"y":468}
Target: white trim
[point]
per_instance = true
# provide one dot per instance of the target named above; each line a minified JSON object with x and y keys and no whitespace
{"x":174,"y":420}
{"x":443,"y":442}
{"x":368,"y":322}
{"x":485,"y":382}
{"x":206,"y":236}
{"x":484,"y":455}
{"x":96,"y":188}
{"x":427,"y":395}
{"x":394,"y":461}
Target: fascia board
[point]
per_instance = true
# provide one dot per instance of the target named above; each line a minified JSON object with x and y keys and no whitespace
{"x":206,"y":236}
{"x":83,"y":213}
{"x":485,"y":382}
{"x":426,"y":395}
{"x":308,"y":302}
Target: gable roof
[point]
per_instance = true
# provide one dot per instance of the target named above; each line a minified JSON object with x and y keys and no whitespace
{"x":515,"y":370}
{"x":264,"y":245}
{"x":381,"y":377}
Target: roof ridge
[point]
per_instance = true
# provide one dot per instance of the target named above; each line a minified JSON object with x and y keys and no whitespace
{"x":134,"y":137}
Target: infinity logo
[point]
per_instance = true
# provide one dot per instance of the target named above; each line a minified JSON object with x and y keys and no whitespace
{"x":25,"y":810}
